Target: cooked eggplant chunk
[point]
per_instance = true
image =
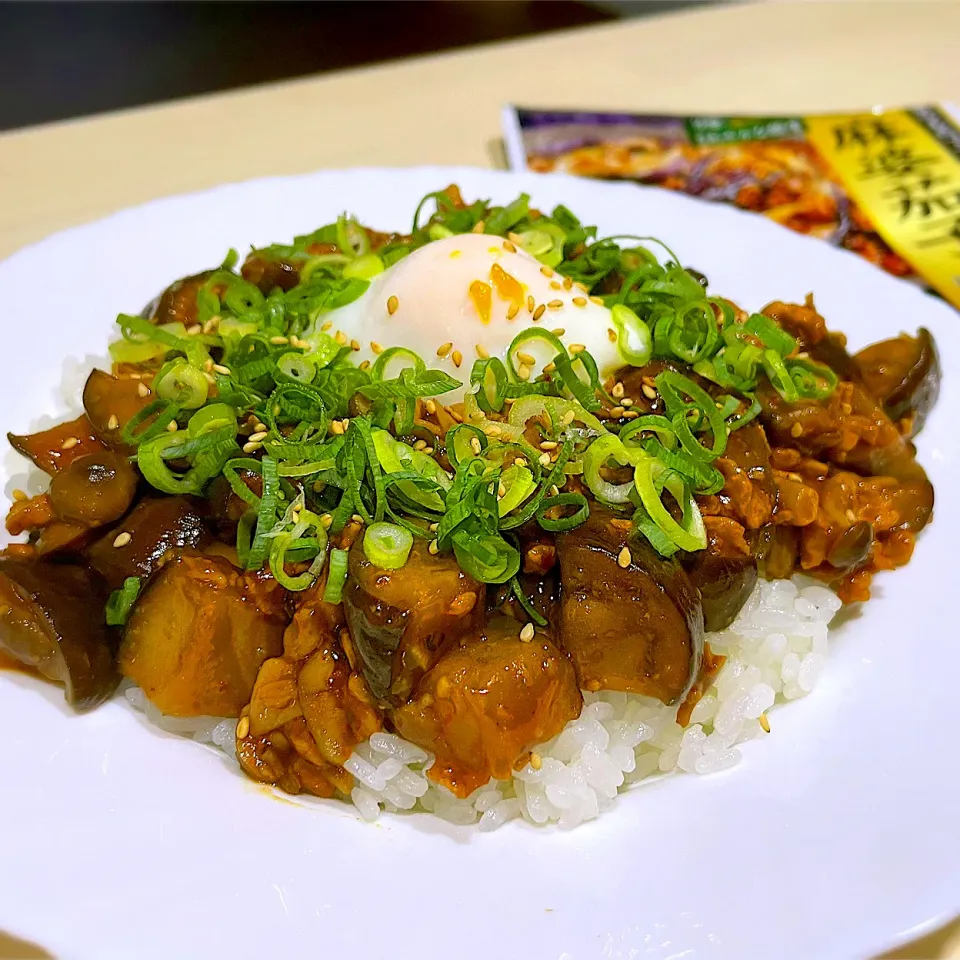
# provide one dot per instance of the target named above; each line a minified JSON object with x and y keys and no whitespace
{"x":725,"y":572}
{"x":57,"y":447}
{"x":157,"y":525}
{"x":486,"y":702}
{"x":110,"y":402}
{"x":904,"y":375}
{"x":198,"y":635}
{"x":402,"y":620}
{"x":268,"y":275}
{"x":178,"y":303}
{"x":51,"y":619}
{"x":95,"y":489}
{"x":636,"y":628}
{"x":803,"y":322}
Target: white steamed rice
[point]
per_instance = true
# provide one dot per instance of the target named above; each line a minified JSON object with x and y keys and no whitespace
{"x":775,"y":651}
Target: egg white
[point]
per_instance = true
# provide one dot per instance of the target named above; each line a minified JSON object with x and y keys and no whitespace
{"x":424,"y":303}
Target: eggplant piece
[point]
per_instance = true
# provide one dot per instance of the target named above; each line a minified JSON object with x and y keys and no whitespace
{"x":94,"y":490}
{"x":51,"y":619}
{"x":267,"y":275}
{"x":725,"y":572}
{"x":777,"y":549}
{"x":852,"y":547}
{"x":226,"y":507}
{"x":199,"y":634}
{"x":486,"y":702}
{"x":803,"y":322}
{"x":110,"y":402}
{"x":401,"y":621}
{"x":157,"y":526}
{"x":904,"y":375}
{"x":178,"y":303}
{"x":638,"y":629}
{"x":57,"y":447}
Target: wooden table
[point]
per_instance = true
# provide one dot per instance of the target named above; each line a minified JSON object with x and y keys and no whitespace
{"x":766,"y":58}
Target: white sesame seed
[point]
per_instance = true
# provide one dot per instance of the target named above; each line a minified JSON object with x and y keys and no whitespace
{"x":579,"y":301}
{"x":626,"y":402}
{"x":354,"y":344}
{"x":611,"y":335}
{"x":69,"y":443}
{"x":482,"y":351}
{"x":457,"y":358}
{"x":444,"y":348}
{"x":143,"y":390}
{"x":512,"y":311}
{"x":113,"y":422}
{"x":122,"y":539}
{"x":526,"y":634}
{"x":480,"y":227}
{"x":375,"y":347}
{"x":243,"y":727}
{"x":538,"y":313}
{"x":220,"y":368}
{"x":555,"y":305}
{"x":433,"y":548}
{"x":279,"y":341}
{"x":649,"y":392}
{"x":336,"y":427}
{"x":326,"y":326}
{"x":509,"y":247}
{"x":431,"y":406}
{"x":558,"y":331}
{"x":567,"y":418}
{"x":475,"y":445}
{"x":194,"y":329}
{"x":258,"y":437}
{"x":546,"y":271}
{"x":617,"y":390}
{"x":576,"y":348}
{"x":325,"y":520}
{"x":531,"y":303}
{"x":340,"y":338}
{"x":624,"y":559}
{"x":544,"y":459}
{"x":548,"y":445}
{"x":19,"y":495}
{"x":392,"y":304}
{"x":519,"y":461}
{"x":523,"y":372}
{"x":420,"y":444}
{"x":597,"y":300}
{"x":251,"y":447}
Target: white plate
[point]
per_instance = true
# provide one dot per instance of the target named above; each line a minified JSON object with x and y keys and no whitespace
{"x":836,"y":837}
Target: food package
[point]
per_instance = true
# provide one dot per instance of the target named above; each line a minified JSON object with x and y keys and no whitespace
{"x":884,"y":184}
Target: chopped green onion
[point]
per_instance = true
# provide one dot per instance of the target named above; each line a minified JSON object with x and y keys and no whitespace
{"x":634,"y":340}
{"x":387,"y":545}
{"x":518,"y":484}
{"x":211,"y":417}
{"x":557,"y":524}
{"x":365,"y":267}
{"x":651,"y":476}
{"x":336,"y":576}
{"x":544,"y":242}
{"x":120,"y":602}
{"x":183,"y":384}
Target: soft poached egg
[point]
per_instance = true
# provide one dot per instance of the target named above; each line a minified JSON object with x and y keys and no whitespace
{"x":465,"y":296}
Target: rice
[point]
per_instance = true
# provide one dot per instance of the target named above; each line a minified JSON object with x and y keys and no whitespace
{"x":775,"y":651}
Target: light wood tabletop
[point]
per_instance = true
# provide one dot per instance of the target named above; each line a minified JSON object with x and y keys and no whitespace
{"x":778,"y":58}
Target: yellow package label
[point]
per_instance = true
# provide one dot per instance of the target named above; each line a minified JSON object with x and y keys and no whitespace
{"x":907,"y":180}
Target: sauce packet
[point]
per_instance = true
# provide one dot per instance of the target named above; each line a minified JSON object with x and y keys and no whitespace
{"x":884,"y":184}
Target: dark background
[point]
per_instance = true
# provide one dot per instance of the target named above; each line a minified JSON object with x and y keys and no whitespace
{"x":67,"y":59}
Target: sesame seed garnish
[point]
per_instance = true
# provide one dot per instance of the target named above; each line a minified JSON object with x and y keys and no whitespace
{"x":113,"y":423}
{"x":550,"y":367}
{"x":531,"y":303}
{"x":558,"y":331}
{"x":567,"y":418}
{"x":536,"y":761}
{"x":544,"y":459}
{"x":211,"y":325}
{"x":18,"y":495}
{"x":364,"y":365}
{"x":554,"y":490}
{"x":420,"y":444}
{"x":434,"y":527}
{"x":649,"y":392}
{"x":567,"y":283}
{"x":523,"y":372}
{"x":220,"y":368}
{"x":444,"y":348}
{"x":616,"y":412}
{"x":611,"y":335}
{"x":513,"y":310}
{"x":326,"y":326}
{"x":341,"y":338}
{"x":475,"y":444}
{"x":326,"y":519}
{"x":526,"y":634}
{"x":279,"y":341}
{"x":243,"y":727}
{"x":457,"y":358}
{"x":796,"y":430}
{"x":356,"y":518}
{"x":336,"y":427}
{"x":851,"y":516}
{"x":515,"y":238}
{"x":576,"y":348}
{"x":555,"y":286}
{"x":143,"y":390}
{"x":579,"y":301}
{"x":258,"y":437}
{"x":207,"y":365}
{"x":764,"y":722}
{"x":482,"y":352}
{"x":597,"y":300}
{"x":624,"y":559}
{"x":69,"y":443}
{"x":626,"y":402}
{"x":376,"y":347}
{"x":194,"y":329}
{"x":211,"y":379}
{"x":526,"y":358}
{"x":538,"y":313}
{"x":251,"y":447}
{"x":554,"y":304}
{"x":493,"y":430}
{"x":262,"y":427}
{"x":501,"y":490}
{"x":509,"y":247}
{"x":392,"y":304}
{"x":631,"y":414}
{"x":617,"y":390}
{"x":122,"y":539}
{"x":354,"y":344}
{"x":546,"y":271}
{"x":549,"y":445}
{"x":433,"y":548}
{"x":480,"y":227}
{"x":431,"y":406}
